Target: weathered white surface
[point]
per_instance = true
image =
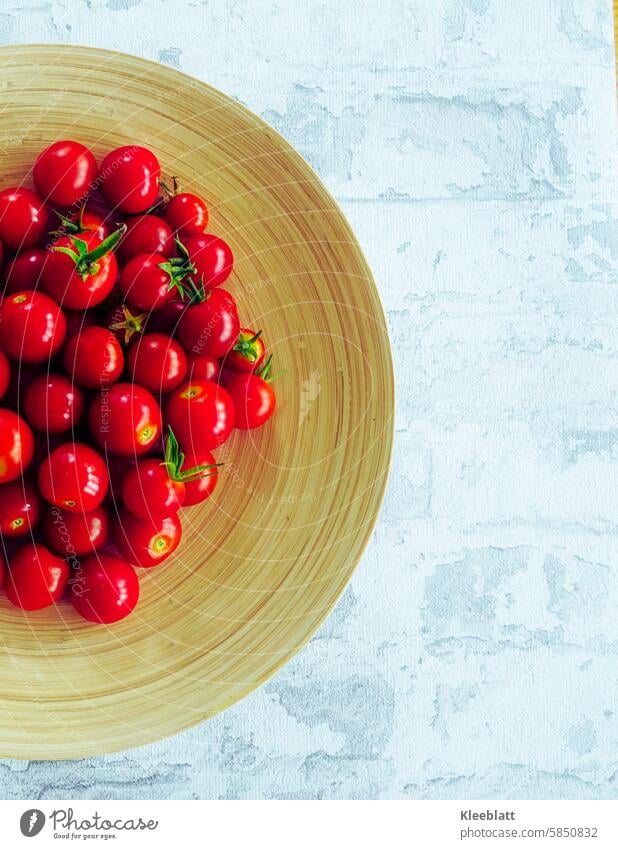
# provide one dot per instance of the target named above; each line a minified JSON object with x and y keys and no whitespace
{"x":472,"y":145}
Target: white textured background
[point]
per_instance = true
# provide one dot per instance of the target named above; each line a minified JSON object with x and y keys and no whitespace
{"x":472,"y":145}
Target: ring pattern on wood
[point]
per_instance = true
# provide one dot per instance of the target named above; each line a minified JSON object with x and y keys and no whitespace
{"x":266,"y":558}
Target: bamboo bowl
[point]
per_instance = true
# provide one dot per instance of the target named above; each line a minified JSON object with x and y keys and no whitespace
{"x":264,"y":560}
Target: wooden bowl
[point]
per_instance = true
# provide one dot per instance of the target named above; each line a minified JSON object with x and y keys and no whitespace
{"x":265,"y":559}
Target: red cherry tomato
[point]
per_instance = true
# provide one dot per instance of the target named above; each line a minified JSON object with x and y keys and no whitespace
{"x":52,"y":403}
{"x":80,"y":272}
{"x":210,"y":328}
{"x":74,"y":477}
{"x":16,"y":445}
{"x":20,"y":507}
{"x":147,"y":234}
{"x":36,"y":577}
{"x":212,"y":257}
{"x":248,"y":353}
{"x":75,"y":534}
{"x":130,"y":178}
{"x":157,"y":362}
{"x":64,"y":172}
{"x":24,"y":271}
{"x":5,"y":373}
{"x":32,"y":326}
{"x":200,"y":488}
{"x":149,"y":281}
{"x":203,"y":368}
{"x":166,"y":319}
{"x":254,"y":400}
{"x":80,"y":223}
{"x":149,"y":492}
{"x":148,"y":542}
{"x":94,"y":357}
{"x":105,"y":589}
{"x":201,"y":414}
{"x":187,"y":214}
{"x":125,"y":419}
{"x":23,"y":218}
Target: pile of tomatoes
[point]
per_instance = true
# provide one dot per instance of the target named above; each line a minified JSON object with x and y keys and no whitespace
{"x":123,"y":366}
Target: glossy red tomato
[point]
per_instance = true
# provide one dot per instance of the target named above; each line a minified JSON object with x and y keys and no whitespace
{"x":149,"y":281}
{"x":32,"y":326}
{"x":198,"y":489}
{"x":254,"y":400}
{"x":20,"y":508}
{"x":157,"y":362}
{"x":248,"y":352}
{"x":74,"y":477}
{"x":105,"y":589}
{"x":210,"y":328}
{"x":212,"y":257}
{"x":52,"y":403}
{"x":187,"y":214}
{"x":24,"y":271}
{"x":149,"y":492}
{"x":147,"y":542}
{"x":16,"y":446}
{"x":76,"y":534}
{"x":201,"y":414}
{"x":23,"y":218}
{"x":80,"y":272}
{"x":147,"y":234}
{"x":203,"y":368}
{"x":94,"y":357}
{"x":81,"y":222}
{"x":5,"y":373}
{"x":64,"y":172}
{"x":36,"y":577}
{"x":125,"y":419}
{"x":130,"y":178}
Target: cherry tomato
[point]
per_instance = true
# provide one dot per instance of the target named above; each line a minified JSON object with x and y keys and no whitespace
{"x":32,"y":326}
{"x":254,"y":400}
{"x":248,"y":352}
{"x":105,"y":589}
{"x":94,"y":357}
{"x":203,"y":368}
{"x":74,"y":477}
{"x":52,"y":403}
{"x":80,"y":272}
{"x":124,"y":323}
{"x":16,"y":446}
{"x":76,"y":534}
{"x":130,"y":178}
{"x":81,"y":222}
{"x":210,"y":328}
{"x":24,"y":271}
{"x":149,"y":281}
{"x":157,"y":362}
{"x":187,"y":214}
{"x":147,"y":542}
{"x":147,"y":234}
{"x":20,"y":507}
{"x":199,"y":488}
{"x":23,"y":218}
{"x":5,"y":373}
{"x":166,"y":319}
{"x":125,"y":419}
{"x":36,"y":577}
{"x":64,"y":172}
{"x":149,"y":492}
{"x":201,"y":414}
{"x":212,"y":257}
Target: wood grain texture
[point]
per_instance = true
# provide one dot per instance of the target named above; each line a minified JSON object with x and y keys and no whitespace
{"x":264,"y":561}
